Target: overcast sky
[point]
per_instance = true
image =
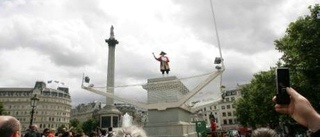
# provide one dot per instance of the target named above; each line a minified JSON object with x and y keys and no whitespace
{"x":62,"y":39}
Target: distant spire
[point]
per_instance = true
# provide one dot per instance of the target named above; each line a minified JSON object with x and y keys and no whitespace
{"x":111,"y":32}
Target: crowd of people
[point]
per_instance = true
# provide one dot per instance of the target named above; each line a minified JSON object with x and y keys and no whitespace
{"x":11,"y":127}
{"x":299,"y":109}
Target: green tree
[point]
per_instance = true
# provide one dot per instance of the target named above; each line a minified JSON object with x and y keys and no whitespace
{"x":2,"y":111}
{"x":61,"y":128}
{"x":255,"y":107}
{"x":300,"y":47}
{"x":301,"y":53}
{"x":76,"y":126}
{"x":74,"y":122}
{"x":90,"y":125}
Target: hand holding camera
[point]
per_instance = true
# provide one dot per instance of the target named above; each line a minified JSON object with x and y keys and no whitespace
{"x":282,"y":82}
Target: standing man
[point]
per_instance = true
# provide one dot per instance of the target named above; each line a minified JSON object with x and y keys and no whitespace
{"x":164,"y":62}
{"x":33,"y":131}
{"x":213,"y":125}
{"x":9,"y":127}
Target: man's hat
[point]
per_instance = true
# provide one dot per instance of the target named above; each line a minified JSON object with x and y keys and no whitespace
{"x":163,"y":53}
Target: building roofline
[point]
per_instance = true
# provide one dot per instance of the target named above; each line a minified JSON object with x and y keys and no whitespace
{"x":15,"y":89}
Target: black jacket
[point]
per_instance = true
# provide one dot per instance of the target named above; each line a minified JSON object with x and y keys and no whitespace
{"x":32,"y":134}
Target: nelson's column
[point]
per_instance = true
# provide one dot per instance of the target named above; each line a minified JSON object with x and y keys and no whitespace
{"x":109,"y":116}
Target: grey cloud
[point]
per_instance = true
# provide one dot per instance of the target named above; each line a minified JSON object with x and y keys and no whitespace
{"x":45,"y":36}
{"x":51,"y":31}
{"x":241,"y":24}
{"x":62,"y":50}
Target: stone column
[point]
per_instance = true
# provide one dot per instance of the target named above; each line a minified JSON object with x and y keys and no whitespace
{"x":110,"y":116}
{"x":112,"y":42}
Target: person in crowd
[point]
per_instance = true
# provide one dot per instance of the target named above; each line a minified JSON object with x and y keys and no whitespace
{"x":164,"y":62}
{"x":82,"y":134}
{"x":45,"y":132}
{"x":33,"y":131}
{"x":131,"y":131}
{"x":301,"y":110}
{"x":110,"y":132}
{"x":103,"y":133}
{"x":9,"y":127}
{"x":94,"y":134}
{"x":60,"y":132}
{"x":51,"y":132}
{"x":264,"y":132}
{"x":67,"y":134}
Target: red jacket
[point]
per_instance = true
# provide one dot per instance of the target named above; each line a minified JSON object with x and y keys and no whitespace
{"x":164,"y":62}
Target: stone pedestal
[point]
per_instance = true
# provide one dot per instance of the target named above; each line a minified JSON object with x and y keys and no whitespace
{"x":171,"y":122}
{"x":109,"y":116}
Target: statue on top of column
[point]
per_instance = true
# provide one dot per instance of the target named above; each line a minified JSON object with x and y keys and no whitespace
{"x":112,"y":40}
{"x":111,"y":32}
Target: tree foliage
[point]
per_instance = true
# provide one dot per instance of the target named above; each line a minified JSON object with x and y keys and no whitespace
{"x":76,"y":126}
{"x":90,"y":125}
{"x":255,"y":107}
{"x":301,"y":54}
{"x":61,"y":128}
{"x":2,"y":111}
{"x":74,"y":122}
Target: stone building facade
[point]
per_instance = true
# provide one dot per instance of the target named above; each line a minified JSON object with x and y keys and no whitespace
{"x":84,"y":112}
{"x":52,"y":110}
{"x":224,"y":111}
{"x":228,"y":118}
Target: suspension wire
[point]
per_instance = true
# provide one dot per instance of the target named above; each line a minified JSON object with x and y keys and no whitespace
{"x":179,"y":79}
{"x":218,"y":40}
{"x":216,"y":29}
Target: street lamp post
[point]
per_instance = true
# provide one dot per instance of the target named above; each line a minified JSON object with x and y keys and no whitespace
{"x":34,"y":102}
